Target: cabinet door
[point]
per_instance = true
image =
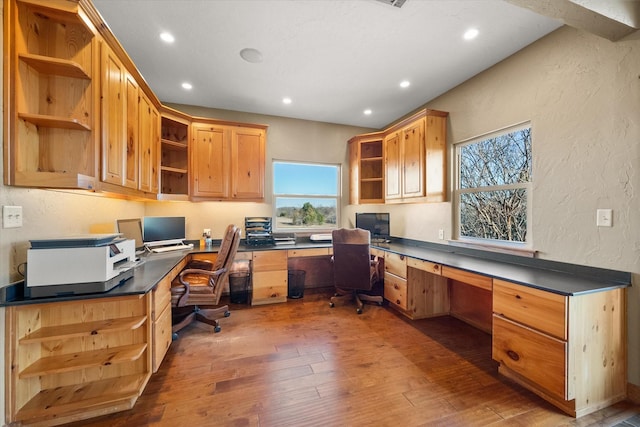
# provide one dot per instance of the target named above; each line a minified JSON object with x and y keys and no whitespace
{"x":393,"y":166}
{"x":149,"y":139}
{"x":210,"y":161}
{"x":113,"y":124}
{"x":412,"y":160}
{"x":131,"y":151}
{"x":354,"y":173}
{"x":247,"y":163}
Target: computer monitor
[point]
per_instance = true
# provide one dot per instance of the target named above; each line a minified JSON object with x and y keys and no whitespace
{"x":163,"y":230}
{"x":376,"y":223}
{"x":131,"y":229}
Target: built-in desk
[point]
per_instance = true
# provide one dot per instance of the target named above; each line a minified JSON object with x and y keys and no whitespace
{"x":557,"y":329}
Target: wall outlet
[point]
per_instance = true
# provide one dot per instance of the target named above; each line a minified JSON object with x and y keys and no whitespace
{"x":207,"y":232}
{"x":441,"y":234}
{"x":604,"y":217}
{"x":11,"y":216}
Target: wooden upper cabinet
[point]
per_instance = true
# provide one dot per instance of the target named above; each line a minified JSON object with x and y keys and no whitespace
{"x":393,"y":166}
{"x":51,"y":96}
{"x":405,"y":161}
{"x":227,"y":161}
{"x":414,"y":159}
{"x":366,"y":169}
{"x":210,"y":154}
{"x":131,"y":146}
{"x":114,"y":99}
{"x":247,"y":163}
{"x":149,"y":140}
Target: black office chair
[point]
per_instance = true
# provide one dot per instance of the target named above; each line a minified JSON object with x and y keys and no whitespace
{"x":355,"y":271}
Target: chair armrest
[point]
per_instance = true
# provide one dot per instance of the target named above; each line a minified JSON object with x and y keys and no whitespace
{"x":215,"y":274}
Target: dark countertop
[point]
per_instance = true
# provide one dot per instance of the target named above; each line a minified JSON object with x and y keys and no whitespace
{"x":560,"y":278}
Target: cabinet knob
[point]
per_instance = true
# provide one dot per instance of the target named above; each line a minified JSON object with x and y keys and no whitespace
{"x":513,"y":355}
{"x":396,"y":286}
{"x":398,"y":301}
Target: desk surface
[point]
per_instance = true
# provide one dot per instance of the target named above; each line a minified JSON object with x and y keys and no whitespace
{"x":156,"y":266}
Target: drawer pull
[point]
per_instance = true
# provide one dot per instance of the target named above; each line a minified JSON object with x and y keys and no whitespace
{"x":518,"y":296}
{"x":513,"y":355}
{"x":398,"y":301}
{"x":396,"y":286}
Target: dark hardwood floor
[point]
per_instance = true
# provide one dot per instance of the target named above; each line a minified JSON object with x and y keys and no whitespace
{"x":303,"y":363}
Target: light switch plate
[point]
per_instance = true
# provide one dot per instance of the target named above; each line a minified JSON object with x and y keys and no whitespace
{"x":11,"y":216}
{"x":604,"y":217}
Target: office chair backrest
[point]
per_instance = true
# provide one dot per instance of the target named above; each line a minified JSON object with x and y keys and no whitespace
{"x":351,"y":258}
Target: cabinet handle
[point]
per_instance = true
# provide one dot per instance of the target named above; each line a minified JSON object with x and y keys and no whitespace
{"x":518,"y":296}
{"x":513,"y":355}
{"x":398,"y":301}
{"x":396,"y":286}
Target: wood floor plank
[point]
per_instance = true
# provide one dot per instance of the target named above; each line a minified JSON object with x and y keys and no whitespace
{"x":302,"y":363}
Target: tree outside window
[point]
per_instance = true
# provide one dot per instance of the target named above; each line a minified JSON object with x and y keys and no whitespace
{"x":494,"y":176}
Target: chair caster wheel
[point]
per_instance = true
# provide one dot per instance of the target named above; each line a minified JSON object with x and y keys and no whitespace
{"x":359,"y":310}
{"x":379,"y":304}
{"x":217,"y":329}
{"x":227,"y":313}
{"x":331,"y":305}
{"x":174,"y":336}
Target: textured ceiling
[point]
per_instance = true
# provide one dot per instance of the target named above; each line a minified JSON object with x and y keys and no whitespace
{"x":333,"y":58}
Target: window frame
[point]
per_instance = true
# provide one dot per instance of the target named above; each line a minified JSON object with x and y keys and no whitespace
{"x":276,"y":196}
{"x":501,"y":245}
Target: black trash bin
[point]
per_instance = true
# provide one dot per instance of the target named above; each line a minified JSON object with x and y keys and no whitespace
{"x":239,"y":283}
{"x":296,"y":283}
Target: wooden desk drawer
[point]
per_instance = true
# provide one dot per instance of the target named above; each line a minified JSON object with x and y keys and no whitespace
{"x":541,"y":310}
{"x":243,"y":256}
{"x":161,"y":297}
{"x":269,"y":260}
{"x":395,"y":290}
{"x":395,"y":264}
{"x":295,"y":253}
{"x":538,"y":357}
{"x":427,"y":266}
{"x":473,"y":279}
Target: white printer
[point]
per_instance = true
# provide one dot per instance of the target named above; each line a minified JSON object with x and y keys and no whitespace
{"x":78,"y":264}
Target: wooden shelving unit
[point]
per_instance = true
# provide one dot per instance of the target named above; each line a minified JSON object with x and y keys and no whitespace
{"x":75,"y":359}
{"x":52,"y":104}
{"x":174,"y":159}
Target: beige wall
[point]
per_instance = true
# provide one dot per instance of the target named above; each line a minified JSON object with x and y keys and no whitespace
{"x":581,"y":94}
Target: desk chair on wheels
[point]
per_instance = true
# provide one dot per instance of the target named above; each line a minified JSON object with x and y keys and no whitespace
{"x":196,"y":291}
{"x":355,"y":271}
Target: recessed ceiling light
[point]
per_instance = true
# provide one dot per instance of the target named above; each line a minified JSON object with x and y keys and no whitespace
{"x":367,"y":112}
{"x":286,"y":100}
{"x":251,"y":55}
{"x":405,"y":83}
{"x":187,"y":86}
{"x":471,"y":34}
{"x":167,"y":37}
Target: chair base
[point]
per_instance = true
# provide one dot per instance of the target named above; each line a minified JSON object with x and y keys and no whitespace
{"x":359,"y":298}
{"x":183,"y":316}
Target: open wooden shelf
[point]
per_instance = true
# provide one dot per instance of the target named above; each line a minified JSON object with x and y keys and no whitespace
{"x":88,"y":359}
{"x":55,"y":66}
{"x":54,"y":122}
{"x":57,"y":11}
{"x":83,"y":397}
{"x":51,"y":333}
{"x":174,"y":170}
{"x":175,"y":145}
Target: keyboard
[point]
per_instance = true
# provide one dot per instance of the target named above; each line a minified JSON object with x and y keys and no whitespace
{"x":163,"y":249}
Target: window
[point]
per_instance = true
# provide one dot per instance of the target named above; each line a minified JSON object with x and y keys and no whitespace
{"x":493,"y":186}
{"x":306,"y":195}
